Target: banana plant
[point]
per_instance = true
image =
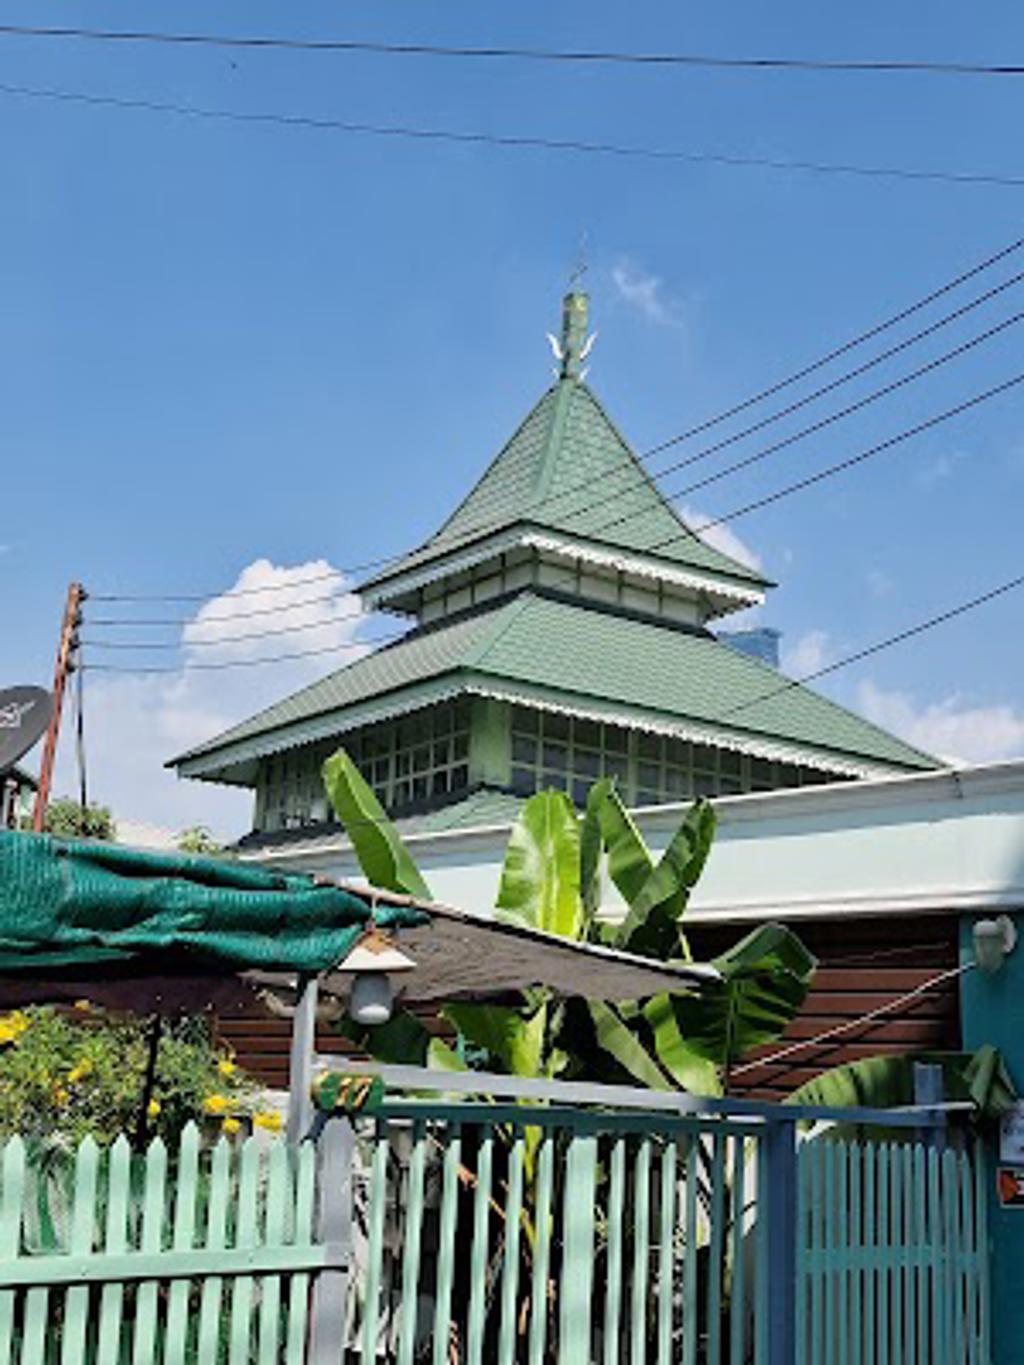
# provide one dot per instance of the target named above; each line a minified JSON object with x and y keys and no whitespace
{"x":551,"y":881}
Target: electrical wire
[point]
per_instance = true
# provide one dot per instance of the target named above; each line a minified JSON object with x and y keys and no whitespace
{"x":623,"y":518}
{"x":786,"y":382}
{"x":840,"y":466}
{"x":887,"y":643}
{"x":519,"y":141}
{"x":887,"y":66}
{"x":894,"y":1006}
{"x":238,"y":639}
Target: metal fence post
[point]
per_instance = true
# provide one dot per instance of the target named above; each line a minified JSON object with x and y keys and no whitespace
{"x":780,"y":1207}
{"x":300,"y":1064}
{"x":334,"y":1231}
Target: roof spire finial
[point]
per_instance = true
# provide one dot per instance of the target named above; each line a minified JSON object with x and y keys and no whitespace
{"x":574,"y":345}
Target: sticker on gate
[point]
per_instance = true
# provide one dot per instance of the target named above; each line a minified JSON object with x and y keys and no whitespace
{"x":1010,"y":1187}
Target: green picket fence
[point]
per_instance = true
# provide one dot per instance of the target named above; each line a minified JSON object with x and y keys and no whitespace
{"x":206,"y":1260}
{"x":490,"y":1234}
{"x":892,"y":1255}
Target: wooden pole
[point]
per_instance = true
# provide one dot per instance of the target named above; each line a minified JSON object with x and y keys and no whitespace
{"x":66,"y":650}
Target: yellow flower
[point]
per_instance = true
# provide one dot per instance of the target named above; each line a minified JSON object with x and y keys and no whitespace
{"x":152,"y":1109}
{"x":226,"y":1067}
{"x":60,"y":1095}
{"x":12,"y":1026}
{"x":79,"y":1072}
{"x":84,"y":1005}
{"x":231,"y":1126}
{"x":216,"y":1104}
{"x":268,"y":1119}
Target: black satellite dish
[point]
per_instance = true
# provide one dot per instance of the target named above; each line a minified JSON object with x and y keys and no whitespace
{"x":24,"y":715}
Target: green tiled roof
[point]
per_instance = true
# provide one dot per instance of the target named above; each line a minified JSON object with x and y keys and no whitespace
{"x":554,"y":651}
{"x":567,"y":469}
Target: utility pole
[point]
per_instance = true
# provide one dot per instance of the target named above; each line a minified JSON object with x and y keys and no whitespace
{"x":67,"y":661}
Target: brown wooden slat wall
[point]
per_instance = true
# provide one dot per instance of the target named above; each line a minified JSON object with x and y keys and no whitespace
{"x":864,"y":964}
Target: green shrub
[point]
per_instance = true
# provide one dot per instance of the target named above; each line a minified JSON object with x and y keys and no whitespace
{"x":63,"y":1078}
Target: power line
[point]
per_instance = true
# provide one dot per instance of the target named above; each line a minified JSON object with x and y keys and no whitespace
{"x":818,"y":477}
{"x":520,"y":141}
{"x":238,"y":639}
{"x":786,"y":382}
{"x":833,"y":417}
{"x":880,"y":645}
{"x":594,"y":56}
{"x":842,"y":465}
{"x":730,"y":469}
{"x":245,"y":663}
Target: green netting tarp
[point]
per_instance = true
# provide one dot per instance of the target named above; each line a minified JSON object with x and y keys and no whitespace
{"x":65,"y":902}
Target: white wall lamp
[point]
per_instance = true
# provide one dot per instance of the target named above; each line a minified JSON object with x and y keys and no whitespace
{"x":993,"y":940}
{"x":372,"y":961}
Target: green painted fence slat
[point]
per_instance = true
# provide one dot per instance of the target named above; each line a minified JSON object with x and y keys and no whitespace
{"x":13,"y":1175}
{"x":246,"y":1236}
{"x":855,"y":1153}
{"x":897,"y":1254}
{"x":831,"y":1279}
{"x":909,"y":1260}
{"x":716,"y":1246}
{"x":737,"y":1286}
{"x":446,"y":1247}
{"x":666,"y":1249}
{"x":803,"y":1261}
{"x":184,"y":1233}
{"x":479,"y":1253}
{"x":577,"y":1283}
{"x":920,"y":1241}
{"x":147,"y":1302}
{"x":884,"y":1256}
{"x":691,"y":1323}
{"x":510,"y":1258}
{"x":211,"y":1299}
{"x":115,"y":1241}
{"x":816,"y":1162}
{"x":299,"y":1288}
{"x":981,"y":1241}
{"x":408,"y":1313}
{"x":541,"y":1253}
{"x":954,"y":1251}
{"x":641,"y":1230}
{"x":277,"y":1198}
{"x":83,"y":1214}
{"x":939,"y":1334}
{"x":842,"y":1263}
{"x":613,"y":1277}
{"x":968,"y":1252}
{"x":375,"y":1247}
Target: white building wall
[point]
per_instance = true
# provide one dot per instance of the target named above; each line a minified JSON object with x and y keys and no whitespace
{"x":940,"y":841}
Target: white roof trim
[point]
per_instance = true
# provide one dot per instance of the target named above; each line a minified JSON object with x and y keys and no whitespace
{"x":641,"y":565}
{"x":622,"y":562}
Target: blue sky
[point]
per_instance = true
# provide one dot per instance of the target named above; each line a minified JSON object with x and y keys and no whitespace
{"x":236,"y":349}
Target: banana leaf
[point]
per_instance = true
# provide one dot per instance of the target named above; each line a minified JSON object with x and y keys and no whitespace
{"x":652,"y":926}
{"x":402,"y":1041}
{"x":888,"y":1081}
{"x":540,"y":881}
{"x":517,"y":1041}
{"x":765,"y":980}
{"x":384,"y":859}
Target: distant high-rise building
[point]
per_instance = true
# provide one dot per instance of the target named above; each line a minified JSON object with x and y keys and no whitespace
{"x":760,"y":643}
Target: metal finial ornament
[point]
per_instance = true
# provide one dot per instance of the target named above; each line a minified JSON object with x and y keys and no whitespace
{"x":577,"y":279}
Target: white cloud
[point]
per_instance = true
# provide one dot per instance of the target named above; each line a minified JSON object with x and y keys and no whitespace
{"x":719,"y":536}
{"x":939,"y":468}
{"x":811,"y":652}
{"x":879,"y":583}
{"x":948,"y":729}
{"x":135,"y":721}
{"x":644,"y":292}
